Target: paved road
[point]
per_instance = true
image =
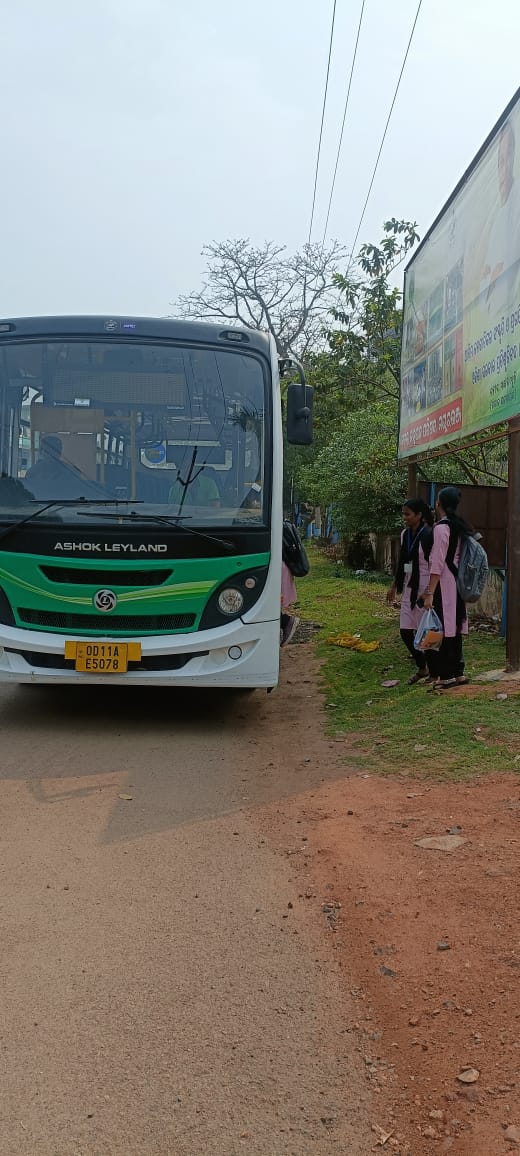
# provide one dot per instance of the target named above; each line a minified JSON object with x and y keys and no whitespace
{"x":159,"y":994}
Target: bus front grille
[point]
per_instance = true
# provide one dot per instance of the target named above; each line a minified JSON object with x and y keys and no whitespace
{"x":55,"y":620}
{"x":86,"y":577}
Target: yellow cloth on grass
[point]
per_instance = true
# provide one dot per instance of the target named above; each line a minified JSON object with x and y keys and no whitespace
{"x":352,"y":642}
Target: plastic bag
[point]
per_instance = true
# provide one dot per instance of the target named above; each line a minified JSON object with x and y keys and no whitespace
{"x":430,"y":632}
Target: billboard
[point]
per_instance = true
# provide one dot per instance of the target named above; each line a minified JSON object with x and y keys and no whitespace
{"x":460,"y":364}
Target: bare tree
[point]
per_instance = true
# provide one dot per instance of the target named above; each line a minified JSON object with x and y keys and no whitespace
{"x":262,"y":288}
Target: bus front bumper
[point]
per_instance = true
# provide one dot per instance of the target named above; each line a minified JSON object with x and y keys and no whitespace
{"x":237,"y":655}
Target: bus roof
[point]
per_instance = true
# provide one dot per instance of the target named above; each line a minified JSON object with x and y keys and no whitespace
{"x":185,"y":332}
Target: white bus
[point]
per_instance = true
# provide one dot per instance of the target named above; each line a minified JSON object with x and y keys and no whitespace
{"x":141,"y":501}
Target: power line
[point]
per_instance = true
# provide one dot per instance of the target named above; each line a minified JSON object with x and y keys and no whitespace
{"x":343,"y":123}
{"x":322,"y":120}
{"x":384,"y":136}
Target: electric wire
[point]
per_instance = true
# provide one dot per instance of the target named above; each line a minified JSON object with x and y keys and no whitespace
{"x":383,"y":137}
{"x":343,"y":124}
{"x":322,"y":122}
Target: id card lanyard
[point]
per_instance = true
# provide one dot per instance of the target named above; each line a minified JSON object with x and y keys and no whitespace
{"x":410,"y":543}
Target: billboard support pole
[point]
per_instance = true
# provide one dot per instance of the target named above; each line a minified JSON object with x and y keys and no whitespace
{"x":412,"y":478}
{"x":513,"y":549}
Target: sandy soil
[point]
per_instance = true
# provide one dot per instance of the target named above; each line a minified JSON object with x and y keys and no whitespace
{"x":427,"y":941}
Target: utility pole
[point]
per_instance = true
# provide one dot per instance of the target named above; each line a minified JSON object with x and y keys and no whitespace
{"x":412,"y":478}
{"x":513,"y":548}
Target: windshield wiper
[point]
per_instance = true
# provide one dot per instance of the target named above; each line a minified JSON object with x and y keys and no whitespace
{"x":177,"y":522}
{"x":59,"y":502}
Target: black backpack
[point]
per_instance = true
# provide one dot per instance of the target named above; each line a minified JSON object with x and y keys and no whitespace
{"x":293,"y":552}
{"x":472,"y":571}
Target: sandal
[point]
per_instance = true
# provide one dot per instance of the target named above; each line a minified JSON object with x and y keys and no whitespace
{"x":434,"y":684}
{"x":419,"y":674}
{"x":449,"y":683}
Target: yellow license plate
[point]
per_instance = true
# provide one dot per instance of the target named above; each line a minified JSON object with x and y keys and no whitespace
{"x":102,"y":657}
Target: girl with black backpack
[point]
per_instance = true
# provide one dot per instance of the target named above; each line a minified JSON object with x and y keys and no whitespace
{"x":441,"y":592}
{"x":411,"y":576}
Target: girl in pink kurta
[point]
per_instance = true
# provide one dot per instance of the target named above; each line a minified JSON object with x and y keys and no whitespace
{"x":288,"y":622}
{"x":411,"y":577}
{"x":289,"y":594}
{"x":441,"y":591}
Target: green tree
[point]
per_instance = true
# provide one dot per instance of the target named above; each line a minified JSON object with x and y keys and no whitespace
{"x":361,"y":362}
{"x":366,"y":337}
{"x":357,"y":472}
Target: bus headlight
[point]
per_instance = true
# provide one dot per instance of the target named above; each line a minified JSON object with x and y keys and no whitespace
{"x":233,"y":597}
{"x":230,"y":601}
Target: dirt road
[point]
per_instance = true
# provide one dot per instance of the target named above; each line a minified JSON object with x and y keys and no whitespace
{"x":220,"y":935}
{"x":163,"y":990}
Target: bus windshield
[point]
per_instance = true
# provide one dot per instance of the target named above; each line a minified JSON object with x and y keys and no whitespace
{"x":177,"y":430}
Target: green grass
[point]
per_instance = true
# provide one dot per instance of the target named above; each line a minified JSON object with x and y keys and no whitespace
{"x":387,"y":724}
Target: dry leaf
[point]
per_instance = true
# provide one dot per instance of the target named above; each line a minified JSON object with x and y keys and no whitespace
{"x":126,"y":798}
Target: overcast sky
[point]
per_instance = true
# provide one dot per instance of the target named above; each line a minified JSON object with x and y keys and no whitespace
{"x":134,"y":131}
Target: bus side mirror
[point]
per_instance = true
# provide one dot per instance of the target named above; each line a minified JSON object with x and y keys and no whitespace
{"x":300,"y":402}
